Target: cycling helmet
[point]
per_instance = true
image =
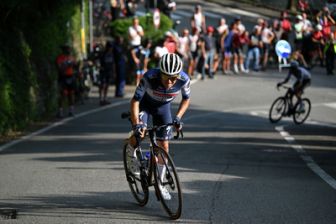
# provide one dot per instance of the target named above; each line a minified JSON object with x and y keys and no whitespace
{"x":294,"y":66}
{"x":171,"y":64}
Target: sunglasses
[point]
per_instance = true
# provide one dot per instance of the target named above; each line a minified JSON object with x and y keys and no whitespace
{"x":168,"y":77}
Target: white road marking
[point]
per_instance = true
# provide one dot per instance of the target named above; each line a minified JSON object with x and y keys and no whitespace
{"x":307,"y":158}
{"x":331,"y":105}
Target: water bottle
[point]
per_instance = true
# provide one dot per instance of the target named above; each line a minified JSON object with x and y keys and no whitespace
{"x":147,"y":158}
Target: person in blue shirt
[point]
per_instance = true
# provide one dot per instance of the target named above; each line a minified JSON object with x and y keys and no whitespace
{"x":153,"y":96}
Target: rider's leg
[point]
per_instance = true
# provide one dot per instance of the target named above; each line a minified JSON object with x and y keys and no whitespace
{"x":162,"y":169}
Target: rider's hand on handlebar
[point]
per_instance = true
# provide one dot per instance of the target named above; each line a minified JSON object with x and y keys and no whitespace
{"x":279,"y":84}
{"x":139,"y":130}
{"x":177,"y":123}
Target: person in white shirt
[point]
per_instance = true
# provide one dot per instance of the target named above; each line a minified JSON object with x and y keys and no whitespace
{"x":135,"y":32}
{"x":298,"y":28}
{"x":267,"y":37}
{"x":198,"y":20}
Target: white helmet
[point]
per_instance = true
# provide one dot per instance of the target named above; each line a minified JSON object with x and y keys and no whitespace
{"x":171,"y":64}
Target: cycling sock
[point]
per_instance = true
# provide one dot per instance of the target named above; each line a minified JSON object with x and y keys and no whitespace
{"x":162,"y":171}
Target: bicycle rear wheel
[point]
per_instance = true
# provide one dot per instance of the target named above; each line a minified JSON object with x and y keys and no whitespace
{"x":300,"y":116}
{"x":167,"y":182}
{"x":137,"y":184}
{"x":277,"y":109}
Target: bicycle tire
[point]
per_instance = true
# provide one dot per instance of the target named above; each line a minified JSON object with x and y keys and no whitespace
{"x":136,"y":183}
{"x":171,"y":181}
{"x":299,"y":117}
{"x":277,"y":109}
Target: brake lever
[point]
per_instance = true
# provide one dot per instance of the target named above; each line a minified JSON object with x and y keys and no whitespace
{"x":178,"y":134}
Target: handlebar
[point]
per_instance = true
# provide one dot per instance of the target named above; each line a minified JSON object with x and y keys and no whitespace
{"x":127,"y":115}
{"x":285,"y":87}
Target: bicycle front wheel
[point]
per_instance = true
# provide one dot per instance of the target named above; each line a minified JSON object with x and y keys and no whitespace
{"x":167,"y":184}
{"x":277,"y":109}
{"x":137,"y":184}
{"x":301,"y":113}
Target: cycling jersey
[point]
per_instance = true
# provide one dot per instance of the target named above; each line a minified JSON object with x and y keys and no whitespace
{"x":150,"y":90}
{"x":301,"y":75}
{"x":155,"y":99}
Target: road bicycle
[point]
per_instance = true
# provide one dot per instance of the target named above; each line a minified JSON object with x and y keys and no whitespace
{"x":143,"y":172}
{"x":283,"y":107}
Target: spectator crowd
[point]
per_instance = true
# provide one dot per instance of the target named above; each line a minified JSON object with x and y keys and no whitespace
{"x":205,"y":49}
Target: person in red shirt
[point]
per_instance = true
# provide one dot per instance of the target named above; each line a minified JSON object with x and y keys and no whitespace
{"x":318,"y":44}
{"x":171,"y":42}
{"x":66,"y":64}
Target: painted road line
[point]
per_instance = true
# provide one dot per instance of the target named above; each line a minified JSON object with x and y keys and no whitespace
{"x":331,"y":105}
{"x":307,"y":158}
{"x":59,"y":123}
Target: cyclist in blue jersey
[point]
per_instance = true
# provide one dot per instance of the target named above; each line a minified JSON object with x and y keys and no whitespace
{"x":153,"y":96}
{"x":303,"y":79}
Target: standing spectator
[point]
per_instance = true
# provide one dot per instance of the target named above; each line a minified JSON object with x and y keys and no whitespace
{"x":198,"y":19}
{"x":317,"y":44}
{"x":254,"y":50}
{"x":299,"y":29}
{"x":286,"y":25}
{"x":208,"y":44}
{"x":184,"y":49}
{"x":106,"y":73}
{"x":145,"y":54}
{"x":171,"y":42}
{"x":116,"y":7}
{"x":307,"y":25}
{"x":267,"y":37}
{"x":303,"y":5}
{"x":135,"y":32}
{"x":227,"y":45}
{"x":194,"y":40}
{"x":244,"y":41}
{"x":220,"y":33}
{"x":119,"y":51}
{"x":136,"y":58}
{"x":329,"y":52}
{"x":166,"y":6}
{"x":66,"y":63}
{"x":240,"y":25}
{"x":326,"y":21}
{"x":236,"y":48}
{"x":130,"y":8}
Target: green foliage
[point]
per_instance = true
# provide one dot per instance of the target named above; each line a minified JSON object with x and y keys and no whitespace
{"x":120,"y":27}
{"x":31,"y":33}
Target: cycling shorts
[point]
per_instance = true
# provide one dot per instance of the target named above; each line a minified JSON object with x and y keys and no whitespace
{"x":160,"y":115}
{"x":305,"y":84}
{"x":68,"y":84}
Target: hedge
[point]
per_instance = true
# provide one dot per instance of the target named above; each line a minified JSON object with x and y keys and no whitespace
{"x":31,"y":33}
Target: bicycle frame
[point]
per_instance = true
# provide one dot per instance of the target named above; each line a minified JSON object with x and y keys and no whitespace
{"x":151,"y":171}
{"x":150,"y":132}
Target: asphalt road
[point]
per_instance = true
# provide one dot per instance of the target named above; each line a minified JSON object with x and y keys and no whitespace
{"x":234,"y":165}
